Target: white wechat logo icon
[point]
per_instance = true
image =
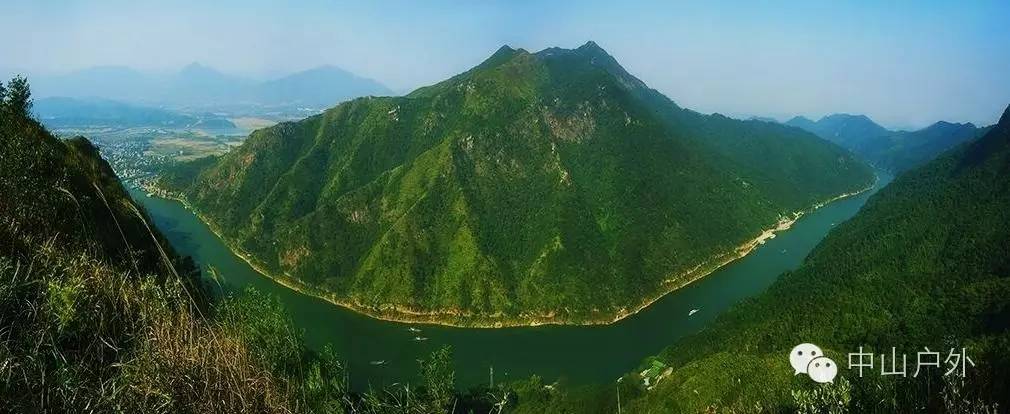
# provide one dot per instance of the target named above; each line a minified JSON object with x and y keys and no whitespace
{"x":809,"y":359}
{"x":822,"y":369}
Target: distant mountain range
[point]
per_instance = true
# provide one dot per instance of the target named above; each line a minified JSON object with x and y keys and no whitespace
{"x":894,"y":150}
{"x":57,"y":112}
{"x":851,"y":131}
{"x":319,"y":86}
{"x":548,"y":187}
{"x":198,"y":85}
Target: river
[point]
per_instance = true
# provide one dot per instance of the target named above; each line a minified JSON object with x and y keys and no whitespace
{"x":580,"y":354}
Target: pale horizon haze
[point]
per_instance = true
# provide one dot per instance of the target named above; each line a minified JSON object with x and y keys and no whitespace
{"x":904,"y":64}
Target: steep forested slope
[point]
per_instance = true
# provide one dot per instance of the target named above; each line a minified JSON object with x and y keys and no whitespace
{"x":546,"y":187}
{"x":925,"y":264}
{"x":65,"y":190}
{"x":97,"y":314}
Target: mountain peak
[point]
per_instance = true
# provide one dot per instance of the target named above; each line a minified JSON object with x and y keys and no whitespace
{"x":195,"y":66}
{"x":847,"y":116}
{"x":504,"y":49}
{"x":327,"y":69}
{"x":950,"y":125}
{"x":588,"y":49}
{"x":508,"y":51}
{"x":594,"y":51}
{"x":501,"y":55}
{"x":592,"y":54}
{"x":200,"y":70}
{"x":854,"y":122}
{"x":591,"y":46}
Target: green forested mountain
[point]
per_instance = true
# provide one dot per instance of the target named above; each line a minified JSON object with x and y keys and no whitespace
{"x":925,"y":264}
{"x":535,"y":187}
{"x":894,"y":150}
{"x":98,"y":314}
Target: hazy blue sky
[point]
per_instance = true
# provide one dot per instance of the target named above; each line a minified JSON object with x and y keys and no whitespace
{"x":903,"y":64}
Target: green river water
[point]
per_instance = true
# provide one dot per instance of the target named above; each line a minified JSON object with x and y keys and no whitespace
{"x":579,"y":354}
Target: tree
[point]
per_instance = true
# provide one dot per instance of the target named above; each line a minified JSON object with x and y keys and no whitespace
{"x":16,"y":96}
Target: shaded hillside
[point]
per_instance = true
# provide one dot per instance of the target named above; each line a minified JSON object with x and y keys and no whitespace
{"x":547,"y":187}
{"x":924,"y":264}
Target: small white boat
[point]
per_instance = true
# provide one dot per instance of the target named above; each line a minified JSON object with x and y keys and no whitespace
{"x":412,"y":329}
{"x":379,"y":362}
{"x":692,"y":312}
{"x":420,"y":338}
